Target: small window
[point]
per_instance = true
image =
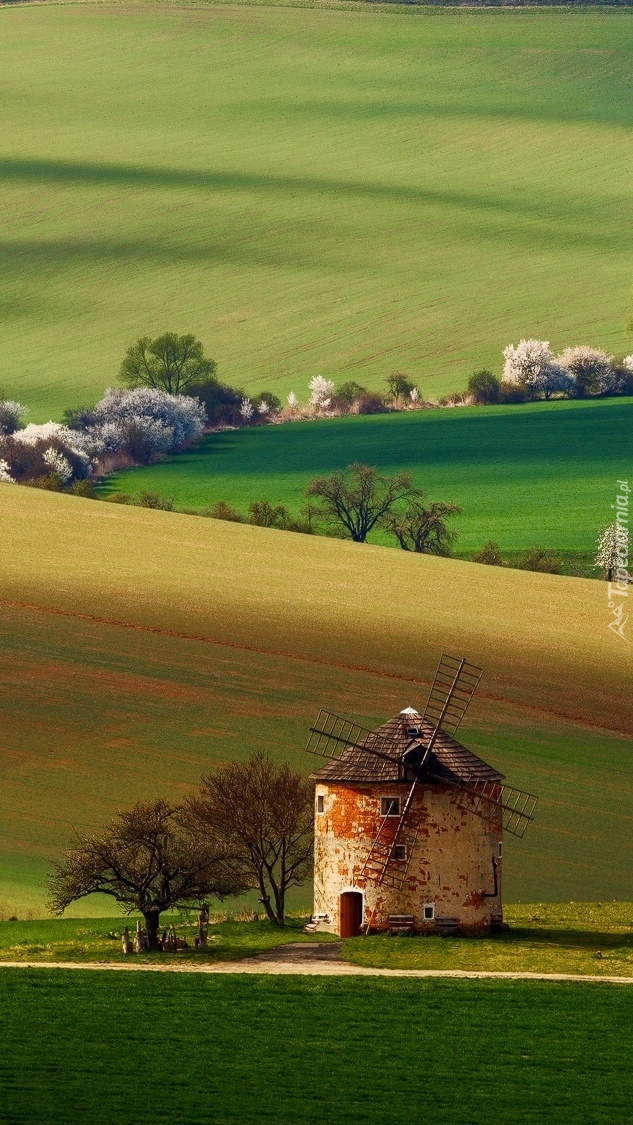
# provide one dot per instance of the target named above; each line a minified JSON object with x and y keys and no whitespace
{"x":390,"y":806}
{"x":500,"y":849}
{"x":429,"y":911}
{"x":399,"y":852}
{"x":320,"y":803}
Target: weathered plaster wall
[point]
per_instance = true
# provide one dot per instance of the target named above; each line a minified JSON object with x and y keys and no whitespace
{"x":450,"y":866}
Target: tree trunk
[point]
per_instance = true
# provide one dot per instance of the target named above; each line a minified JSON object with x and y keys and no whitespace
{"x":152,"y":919}
{"x":265,"y":901}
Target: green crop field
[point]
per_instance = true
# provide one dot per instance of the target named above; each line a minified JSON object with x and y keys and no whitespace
{"x":184,"y":1049}
{"x":141,"y":647}
{"x":343,"y":192}
{"x":544,"y":473}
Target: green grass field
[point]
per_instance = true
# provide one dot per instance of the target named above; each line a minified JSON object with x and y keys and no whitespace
{"x":543,"y":938}
{"x":543,"y":473}
{"x":344,"y":192}
{"x":140,"y":648}
{"x":186,"y":1050}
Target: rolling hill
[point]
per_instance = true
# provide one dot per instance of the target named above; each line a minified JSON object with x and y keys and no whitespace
{"x":343,"y":191}
{"x":541,"y":473}
{"x":142,"y":647}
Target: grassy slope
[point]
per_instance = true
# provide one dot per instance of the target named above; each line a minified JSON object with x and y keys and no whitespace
{"x":544,"y":473}
{"x":344,"y":192}
{"x":242,"y":633}
{"x":169,"y":1049}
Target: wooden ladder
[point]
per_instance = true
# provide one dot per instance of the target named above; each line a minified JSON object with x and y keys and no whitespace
{"x":381,"y":866}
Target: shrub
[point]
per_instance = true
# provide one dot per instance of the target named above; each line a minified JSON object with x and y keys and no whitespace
{"x":149,"y":499}
{"x":78,"y":417}
{"x":266,"y":404}
{"x":51,"y":482}
{"x":455,"y":398}
{"x":512,"y":393}
{"x":35,"y":457}
{"x":223,"y":511}
{"x":589,"y":371}
{"x":221,"y":402}
{"x":143,"y":423}
{"x":263,"y":514}
{"x":321,"y":391}
{"x":11,"y":415}
{"x":5,"y":472}
{"x":622,"y":376}
{"x":531,"y":366}
{"x":83,"y":488}
{"x":347,"y":394}
{"x":490,"y":554}
{"x":371,"y":403}
{"x":540,"y":559}
{"x":483,"y":387}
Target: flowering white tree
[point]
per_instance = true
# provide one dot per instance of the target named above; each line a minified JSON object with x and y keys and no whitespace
{"x":531,"y":365}
{"x":627,"y":362}
{"x":145,"y":423}
{"x":321,"y":391}
{"x":414,"y":395}
{"x":612,"y":544}
{"x":11,"y":415}
{"x":246,"y":410}
{"x":58,"y":464}
{"x":33,"y":433}
{"x":293,"y":402}
{"x":5,"y":475}
{"x":589,"y":369}
{"x":263,"y":407}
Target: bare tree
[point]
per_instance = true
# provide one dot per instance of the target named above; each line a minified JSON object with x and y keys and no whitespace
{"x":263,"y":815}
{"x":146,"y":860}
{"x":169,"y":363}
{"x":359,"y":498}
{"x":421,"y":529}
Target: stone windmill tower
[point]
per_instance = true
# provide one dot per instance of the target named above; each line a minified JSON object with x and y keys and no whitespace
{"x":409,"y":823}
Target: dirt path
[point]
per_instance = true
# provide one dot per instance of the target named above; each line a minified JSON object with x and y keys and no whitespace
{"x":313,"y":966}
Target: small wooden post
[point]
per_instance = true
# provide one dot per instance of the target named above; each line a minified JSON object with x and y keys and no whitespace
{"x":203,"y":926}
{"x":126,"y":944}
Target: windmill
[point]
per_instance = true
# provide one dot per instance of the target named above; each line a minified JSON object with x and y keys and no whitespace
{"x":425,"y":751}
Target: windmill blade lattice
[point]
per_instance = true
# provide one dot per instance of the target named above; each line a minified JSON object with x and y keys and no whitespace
{"x":331,"y":736}
{"x":491,"y":800}
{"x":454,"y":685}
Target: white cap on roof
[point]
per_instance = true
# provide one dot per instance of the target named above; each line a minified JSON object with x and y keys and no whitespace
{"x":408,"y":711}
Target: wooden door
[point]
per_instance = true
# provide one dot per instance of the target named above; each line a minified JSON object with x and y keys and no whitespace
{"x":351,"y":913}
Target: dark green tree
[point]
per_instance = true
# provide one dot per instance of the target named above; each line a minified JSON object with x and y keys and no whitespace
{"x":400,"y":386}
{"x":484,"y":387}
{"x":169,"y":363}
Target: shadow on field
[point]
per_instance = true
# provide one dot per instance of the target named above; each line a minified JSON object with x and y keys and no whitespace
{"x":546,"y":211}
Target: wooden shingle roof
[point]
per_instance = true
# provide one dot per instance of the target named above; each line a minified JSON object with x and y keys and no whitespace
{"x":449,"y":758}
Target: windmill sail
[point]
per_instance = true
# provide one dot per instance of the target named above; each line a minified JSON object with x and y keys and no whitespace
{"x":334,"y":737}
{"x":493,"y":801}
{"x":454,"y":685}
